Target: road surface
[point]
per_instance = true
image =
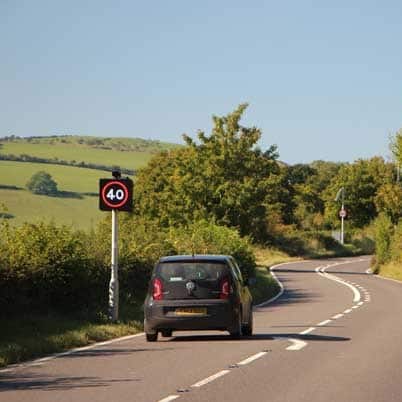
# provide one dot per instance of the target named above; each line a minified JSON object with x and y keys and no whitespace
{"x":333,"y":335}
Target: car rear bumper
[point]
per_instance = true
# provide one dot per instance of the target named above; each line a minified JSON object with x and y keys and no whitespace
{"x":220,"y":315}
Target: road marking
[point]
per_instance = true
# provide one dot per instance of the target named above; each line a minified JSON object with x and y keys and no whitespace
{"x":349,"y":310}
{"x":210,"y":379}
{"x":360,"y":303}
{"x":356,"y":293}
{"x":251,"y":358}
{"x":335,"y":317}
{"x":35,"y":362}
{"x":169,"y":398}
{"x":297,"y":344}
{"x":356,"y":306}
{"x":322,"y":323}
{"x":307,"y":331}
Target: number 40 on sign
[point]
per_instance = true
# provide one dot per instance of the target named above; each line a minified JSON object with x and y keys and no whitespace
{"x":116,"y":194}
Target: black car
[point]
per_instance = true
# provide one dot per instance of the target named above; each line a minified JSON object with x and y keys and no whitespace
{"x":200,"y":292}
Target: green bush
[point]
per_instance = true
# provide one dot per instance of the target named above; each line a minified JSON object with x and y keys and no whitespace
{"x":383,"y":235}
{"x":47,"y":268}
{"x":43,"y":266}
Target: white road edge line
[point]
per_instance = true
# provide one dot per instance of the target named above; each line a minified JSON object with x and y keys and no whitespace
{"x":335,"y":317}
{"x":356,"y":293}
{"x":210,"y":378}
{"x":349,"y":310}
{"x":251,"y":358}
{"x":169,"y":398}
{"x":69,"y":352}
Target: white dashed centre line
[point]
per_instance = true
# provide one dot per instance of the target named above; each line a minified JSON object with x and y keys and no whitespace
{"x":251,"y":358}
{"x":210,"y":379}
{"x":169,"y":398}
{"x":307,"y":331}
{"x":322,"y":323}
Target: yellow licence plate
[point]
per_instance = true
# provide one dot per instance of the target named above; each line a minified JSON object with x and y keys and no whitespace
{"x":191,"y":311}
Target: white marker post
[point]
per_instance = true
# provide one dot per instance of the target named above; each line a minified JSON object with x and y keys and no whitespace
{"x":114,"y":278}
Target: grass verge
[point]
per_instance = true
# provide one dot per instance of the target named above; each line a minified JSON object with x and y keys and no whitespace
{"x":30,"y":337}
{"x":391,"y":270}
{"x":266,"y":286}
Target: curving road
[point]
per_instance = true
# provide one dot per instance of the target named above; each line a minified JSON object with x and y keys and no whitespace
{"x":333,"y":335}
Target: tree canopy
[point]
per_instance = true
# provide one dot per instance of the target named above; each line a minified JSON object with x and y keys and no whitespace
{"x":223,"y":177}
{"x":42,"y":183}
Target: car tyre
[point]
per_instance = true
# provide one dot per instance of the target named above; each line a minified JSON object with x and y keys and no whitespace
{"x":248,"y":328}
{"x":166,"y":333}
{"x":151,"y":337}
{"x":236,"y":332}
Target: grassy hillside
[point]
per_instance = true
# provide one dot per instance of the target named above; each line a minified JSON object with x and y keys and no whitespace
{"x":75,"y":208}
{"x":79,"y":210}
{"x":68,"y":178}
{"x":27,"y":207}
{"x":130,"y":153}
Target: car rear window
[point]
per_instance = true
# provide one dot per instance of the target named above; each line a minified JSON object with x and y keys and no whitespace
{"x":184,"y":271}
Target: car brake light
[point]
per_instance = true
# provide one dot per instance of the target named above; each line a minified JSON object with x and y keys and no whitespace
{"x":225,"y":289}
{"x":158,"y":289}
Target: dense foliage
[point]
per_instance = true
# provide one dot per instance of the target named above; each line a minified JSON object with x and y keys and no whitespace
{"x":44,"y":267}
{"x":223,"y":177}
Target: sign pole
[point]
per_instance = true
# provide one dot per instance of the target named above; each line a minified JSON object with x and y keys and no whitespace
{"x":342,"y":224}
{"x":114,"y":279}
{"x":115,"y":195}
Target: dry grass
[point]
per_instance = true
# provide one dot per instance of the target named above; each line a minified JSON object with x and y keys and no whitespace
{"x":266,"y":257}
{"x":392,"y":270}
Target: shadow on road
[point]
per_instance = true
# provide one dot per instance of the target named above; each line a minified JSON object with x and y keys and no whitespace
{"x":257,"y":337}
{"x":29,"y":381}
{"x":110,"y":352}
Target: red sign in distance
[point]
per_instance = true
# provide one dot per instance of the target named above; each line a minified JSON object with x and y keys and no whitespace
{"x":343,"y":213}
{"x":116,"y":194}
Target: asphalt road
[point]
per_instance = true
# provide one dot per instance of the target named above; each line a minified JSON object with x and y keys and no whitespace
{"x":333,"y":335}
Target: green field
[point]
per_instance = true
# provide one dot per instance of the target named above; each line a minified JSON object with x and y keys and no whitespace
{"x":68,"y":178}
{"x":78,"y":210}
{"x":129,"y":153}
{"x":70,"y":152}
{"x":24,"y":206}
{"x":27,"y":207}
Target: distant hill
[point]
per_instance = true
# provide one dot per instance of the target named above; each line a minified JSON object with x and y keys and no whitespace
{"x":127,"y":153}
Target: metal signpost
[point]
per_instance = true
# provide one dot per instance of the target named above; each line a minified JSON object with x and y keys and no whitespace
{"x":342,"y":213}
{"x":115,"y":195}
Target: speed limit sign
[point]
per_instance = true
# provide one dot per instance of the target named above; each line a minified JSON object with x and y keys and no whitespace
{"x":116,"y":194}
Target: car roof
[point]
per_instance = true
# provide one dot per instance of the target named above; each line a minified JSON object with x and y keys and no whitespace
{"x":198,"y":257}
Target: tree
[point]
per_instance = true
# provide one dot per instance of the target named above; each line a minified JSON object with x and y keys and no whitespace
{"x":389,"y":201}
{"x":222,"y":177}
{"x":42,"y":183}
{"x":361,"y":181}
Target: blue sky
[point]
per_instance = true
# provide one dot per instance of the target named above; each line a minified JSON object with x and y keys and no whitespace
{"x":323,"y":78}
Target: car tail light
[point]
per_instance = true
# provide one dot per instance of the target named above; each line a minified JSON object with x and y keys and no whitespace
{"x":157,"y":293}
{"x":225,"y":289}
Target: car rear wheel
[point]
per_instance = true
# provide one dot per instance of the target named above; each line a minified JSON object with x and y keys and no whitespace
{"x":151,"y":337}
{"x":236,"y":332}
{"x":166,"y":333}
{"x":248,"y":328}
